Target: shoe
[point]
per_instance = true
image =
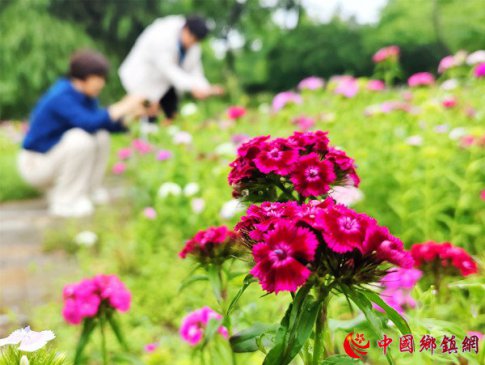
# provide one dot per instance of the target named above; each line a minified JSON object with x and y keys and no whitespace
{"x":80,"y":208}
{"x":100,"y":196}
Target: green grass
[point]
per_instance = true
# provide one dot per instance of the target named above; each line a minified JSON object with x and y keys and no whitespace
{"x":12,"y":187}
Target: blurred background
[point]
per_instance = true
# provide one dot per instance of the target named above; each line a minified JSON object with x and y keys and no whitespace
{"x":269,"y":44}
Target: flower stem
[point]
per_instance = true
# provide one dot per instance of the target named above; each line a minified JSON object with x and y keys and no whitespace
{"x":103,"y":338}
{"x":319,"y":348}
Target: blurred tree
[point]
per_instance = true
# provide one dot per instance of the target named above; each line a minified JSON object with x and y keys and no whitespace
{"x":33,"y":53}
{"x":317,"y":49}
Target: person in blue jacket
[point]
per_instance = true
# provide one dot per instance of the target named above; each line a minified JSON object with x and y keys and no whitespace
{"x":66,"y":148}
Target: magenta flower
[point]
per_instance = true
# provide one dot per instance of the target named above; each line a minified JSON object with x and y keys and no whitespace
{"x":150,"y":347}
{"x":83,"y":299}
{"x":343,"y":229}
{"x":398,"y":299}
{"x":119,"y":168}
{"x":278,"y":156}
{"x":125,"y":153}
{"x":311,"y":83}
{"x":421,"y":79}
{"x":448,"y":256}
{"x":210,"y":244}
{"x":449,"y":102}
{"x":479,"y":70}
{"x":194,"y":325}
{"x":386,"y":53}
{"x":236,"y":112}
{"x":376,"y":85}
{"x":141,"y":146}
{"x":164,"y":155}
{"x":482,"y":195}
{"x":282,"y":257}
{"x":150,"y":213}
{"x":284,"y":98}
{"x":312,"y":176}
{"x":402,"y":278}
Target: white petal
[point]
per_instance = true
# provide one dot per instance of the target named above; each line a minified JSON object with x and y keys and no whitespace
{"x":34,"y":341}
{"x":14,"y":338}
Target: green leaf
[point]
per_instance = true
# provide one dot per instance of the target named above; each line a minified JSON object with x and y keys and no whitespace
{"x":295,"y":329}
{"x":248,"y":280}
{"x":213,"y":272}
{"x":117,"y":330}
{"x":89,"y":325}
{"x":365,"y":306}
{"x":247,"y":340}
{"x":394,"y":316}
{"x":192,"y":279}
{"x":340,"y":360}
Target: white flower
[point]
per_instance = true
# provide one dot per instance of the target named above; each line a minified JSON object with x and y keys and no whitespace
{"x":173,"y":130}
{"x":414,"y":140}
{"x":346,"y":195}
{"x":198,"y":205}
{"x":86,"y":238}
{"x":191,"y":189}
{"x":449,"y":84}
{"x":24,"y":360}
{"x":457,"y":133}
{"x":188,"y":109}
{"x":169,"y":188}
{"x":182,"y":138}
{"x":442,"y":128}
{"x":29,"y":340}
{"x":476,"y":57}
{"x":231,"y":208}
{"x":226,"y":149}
{"x":264,"y":108}
{"x":148,"y":128}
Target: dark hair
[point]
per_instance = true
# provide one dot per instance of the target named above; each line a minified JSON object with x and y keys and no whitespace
{"x":85,"y":63}
{"x":197,"y":26}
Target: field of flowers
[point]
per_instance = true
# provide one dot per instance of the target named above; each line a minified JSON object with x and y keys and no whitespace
{"x":419,"y":152}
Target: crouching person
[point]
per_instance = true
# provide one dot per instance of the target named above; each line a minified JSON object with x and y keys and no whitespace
{"x":66,"y":149}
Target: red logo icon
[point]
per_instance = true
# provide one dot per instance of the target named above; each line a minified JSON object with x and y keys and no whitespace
{"x":355,"y":347}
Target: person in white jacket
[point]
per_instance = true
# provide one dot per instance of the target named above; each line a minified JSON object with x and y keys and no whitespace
{"x":166,"y":62}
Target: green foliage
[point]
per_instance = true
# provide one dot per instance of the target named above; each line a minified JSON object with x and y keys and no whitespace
{"x":34,"y":51}
{"x":334,"y":49}
{"x":10,"y":356}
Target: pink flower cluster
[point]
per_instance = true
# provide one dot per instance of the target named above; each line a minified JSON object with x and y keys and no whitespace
{"x":346,"y":86}
{"x":397,"y":288}
{"x":421,"y":79}
{"x":290,"y":241}
{"x":311,"y":83}
{"x":446,"y":63}
{"x":284,"y":98}
{"x":445,"y":255}
{"x":236,"y":112}
{"x":195,"y":323}
{"x":479,"y":70}
{"x":83,"y":300}
{"x":390,"y":53}
{"x":304,"y":123}
{"x":304,"y":161}
{"x":213,"y":242}
{"x":376,"y":85}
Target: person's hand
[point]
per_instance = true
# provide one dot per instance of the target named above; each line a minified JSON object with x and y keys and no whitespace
{"x":217,"y":90}
{"x":152,"y":109}
{"x":201,"y":94}
{"x":128,"y":105}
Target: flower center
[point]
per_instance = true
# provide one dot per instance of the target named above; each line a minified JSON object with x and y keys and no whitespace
{"x":280,"y":254}
{"x":348,"y":224}
{"x":311,"y":173}
{"x":275,"y":154}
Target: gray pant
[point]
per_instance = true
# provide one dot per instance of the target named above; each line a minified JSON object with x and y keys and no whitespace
{"x":72,"y":169}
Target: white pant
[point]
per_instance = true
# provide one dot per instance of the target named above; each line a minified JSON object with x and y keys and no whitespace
{"x":70,"y":170}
